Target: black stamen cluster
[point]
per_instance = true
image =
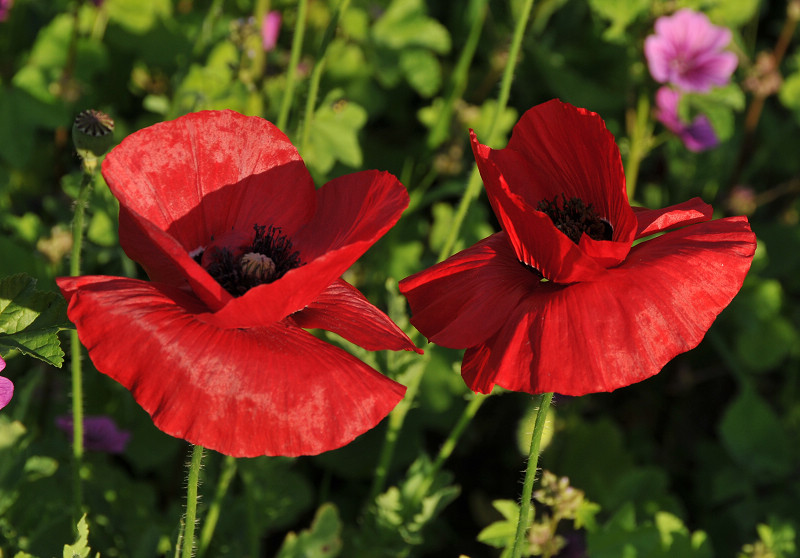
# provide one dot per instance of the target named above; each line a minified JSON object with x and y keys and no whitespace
{"x":270,"y":242}
{"x":573,"y":218}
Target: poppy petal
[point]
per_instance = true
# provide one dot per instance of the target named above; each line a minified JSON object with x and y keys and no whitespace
{"x":568,"y":150}
{"x":536,"y":241}
{"x":244,"y":392}
{"x":207,"y":172}
{"x":463,"y":300}
{"x":653,"y":221}
{"x":352,"y":213}
{"x":599,"y":336}
{"x":342,"y":309}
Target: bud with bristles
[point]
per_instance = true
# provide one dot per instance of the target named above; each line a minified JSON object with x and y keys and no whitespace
{"x":93,"y":134}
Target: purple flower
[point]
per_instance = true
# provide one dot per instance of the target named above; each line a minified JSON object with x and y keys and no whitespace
{"x":100,"y":433}
{"x":5,"y":7}
{"x":687,"y":51}
{"x":696,"y":136}
{"x":270,"y":27}
{"x":6,"y":386}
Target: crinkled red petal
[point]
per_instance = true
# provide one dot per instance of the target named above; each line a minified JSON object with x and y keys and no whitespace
{"x":536,"y":241}
{"x":600,"y":336}
{"x":209,"y":171}
{"x":342,"y":309}
{"x":558,"y":149}
{"x":266,"y":391}
{"x":352,"y":213}
{"x":652,"y":221}
{"x":464,"y":300}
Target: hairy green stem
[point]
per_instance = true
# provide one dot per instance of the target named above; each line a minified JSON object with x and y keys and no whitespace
{"x":186,"y":541}
{"x":297,"y":46}
{"x":640,"y":130}
{"x":75,"y":344}
{"x":458,"y":78}
{"x":316,"y":75}
{"x":210,"y":522}
{"x":530,"y":474}
{"x":395,"y":423}
{"x":474,"y":184}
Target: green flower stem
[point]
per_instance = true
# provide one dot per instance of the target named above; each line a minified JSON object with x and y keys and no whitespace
{"x":75,"y":344}
{"x":187,"y":540}
{"x":458,"y":78}
{"x":297,"y":46}
{"x":450,"y":443}
{"x":474,"y":184}
{"x":530,"y":474}
{"x":316,"y":75}
{"x":640,"y":130}
{"x":396,"y":419}
{"x":210,"y":522}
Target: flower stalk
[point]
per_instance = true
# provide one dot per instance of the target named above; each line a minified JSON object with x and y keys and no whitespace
{"x":291,"y":73}
{"x":530,"y":475}
{"x":474,"y":184}
{"x":185,"y":542}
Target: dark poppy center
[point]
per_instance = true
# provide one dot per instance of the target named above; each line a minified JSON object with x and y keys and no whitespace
{"x":574,"y":218}
{"x":240,"y":268}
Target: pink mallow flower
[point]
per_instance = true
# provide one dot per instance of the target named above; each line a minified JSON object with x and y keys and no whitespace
{"x":6,"y":387}
{"x":697,"y":135}
{"x":270,"y":27}
{"x":100,"y":433}
{"x":687,"y":51}
{"x":5,"y":7}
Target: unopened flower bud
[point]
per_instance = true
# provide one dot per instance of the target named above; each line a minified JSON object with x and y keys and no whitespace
{"x":93,"y":134}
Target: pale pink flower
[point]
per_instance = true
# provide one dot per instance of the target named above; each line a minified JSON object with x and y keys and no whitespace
{"x":697,"y":135}
{"x":6,"y":387}
{"x":687,"y":51}
{"x":270,"y":27}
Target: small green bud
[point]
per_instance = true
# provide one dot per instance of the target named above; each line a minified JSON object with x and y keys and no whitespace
{"x":93,"y":134}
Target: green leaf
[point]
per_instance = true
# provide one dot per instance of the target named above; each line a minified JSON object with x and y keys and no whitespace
{"x":39,"y":467}
{"x":422,"y":70}
{"x":80,"y":548}
{"x":620,"y":14}
{"x":137,"y":16}
{"x":754,"y":436}
{"x":334,"y":134}
{"x":732,"y":13}
{"x":405,"y":24}
{"x":30,"y":319}
{"x":322,"y":540}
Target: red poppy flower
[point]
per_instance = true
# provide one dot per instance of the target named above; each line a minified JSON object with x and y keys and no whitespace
{"x":561,"y":300}
{"x":242,"y":252}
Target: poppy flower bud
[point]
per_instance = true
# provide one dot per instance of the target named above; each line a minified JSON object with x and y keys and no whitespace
{"x":93,"y":135}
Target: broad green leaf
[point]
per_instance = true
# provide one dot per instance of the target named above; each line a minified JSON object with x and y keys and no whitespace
{"x":422,"y":70}
{"x":30,"y":319}
{"x":137,"y":16}
{"x":321,"y":540}
{"x":405,"y":24}
{"x":39,"y":467}
{"x":80,"y":548}
{"x":732,"y":13}
{"x":620,"y":14}
{"x":499,"y":534}
{"x":334,"y":134}
{"x":754,"y":435}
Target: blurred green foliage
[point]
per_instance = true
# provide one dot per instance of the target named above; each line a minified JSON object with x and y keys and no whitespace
{"x":700,"y":461}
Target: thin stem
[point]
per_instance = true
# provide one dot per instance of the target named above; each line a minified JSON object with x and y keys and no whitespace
{"x":530,"y":474}
{"x":75,"y":344}
{"x":460,"y":74}
{"x":640,"y":130}
{"x":474,"y":184}
{"x":191,"y":503}
{"x":210,"y":522}
{"x":297,"y":46}
{"x":450,"y":443}
{"x":396,"y":419}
